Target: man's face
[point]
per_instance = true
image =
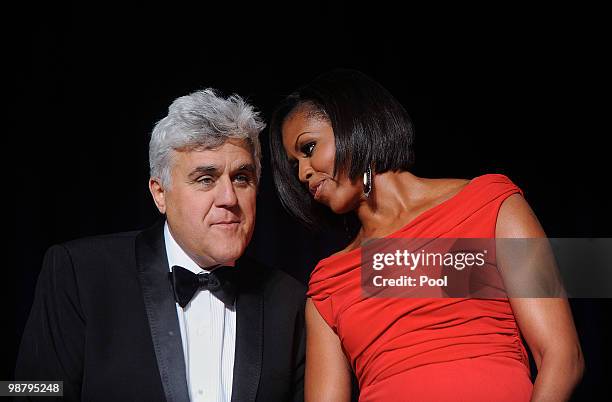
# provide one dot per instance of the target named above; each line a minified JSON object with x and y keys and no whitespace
{"x":210,"y":205}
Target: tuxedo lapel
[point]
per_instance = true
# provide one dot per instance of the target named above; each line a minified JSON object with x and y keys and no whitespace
{"x":249,"y":335}
{"x":161,"y":312}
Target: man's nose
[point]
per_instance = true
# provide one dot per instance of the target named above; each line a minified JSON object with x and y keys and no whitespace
{"x":226,"y":193}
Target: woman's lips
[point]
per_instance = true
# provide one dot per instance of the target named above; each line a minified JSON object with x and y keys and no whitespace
{"x":319,"y":189}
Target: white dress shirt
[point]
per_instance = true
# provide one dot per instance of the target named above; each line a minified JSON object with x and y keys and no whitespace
{"x":208,"y":332}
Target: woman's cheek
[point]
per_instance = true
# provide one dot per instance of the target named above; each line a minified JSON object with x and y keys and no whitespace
{"x":325,"y":158}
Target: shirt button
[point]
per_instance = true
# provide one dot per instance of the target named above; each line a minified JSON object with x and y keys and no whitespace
{"x":201,"y":391}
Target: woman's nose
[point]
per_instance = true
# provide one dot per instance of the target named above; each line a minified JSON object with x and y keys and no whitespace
{"x":305,"y":172}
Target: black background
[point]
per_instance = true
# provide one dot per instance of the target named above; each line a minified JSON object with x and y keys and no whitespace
{"x":518,"y":93}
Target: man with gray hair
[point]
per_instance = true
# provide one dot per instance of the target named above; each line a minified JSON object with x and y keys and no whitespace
{"x":175,"y":312}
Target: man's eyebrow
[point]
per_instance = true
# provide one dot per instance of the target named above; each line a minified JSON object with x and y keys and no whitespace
{"x":206,"y":169}
{"x":214,"y":170}
{"x":248,"y":167}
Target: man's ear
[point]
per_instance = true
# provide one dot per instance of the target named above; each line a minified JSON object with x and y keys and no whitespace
{"x":158,"y":193}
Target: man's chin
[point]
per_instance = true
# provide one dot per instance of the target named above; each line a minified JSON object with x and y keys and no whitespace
{"x":227,"y":256}
{"x":226,"y":246}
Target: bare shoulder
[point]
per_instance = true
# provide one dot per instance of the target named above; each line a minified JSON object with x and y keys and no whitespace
{"x":456,"y":185}
{"x":444,"y":189}
{"x":516,"y":219}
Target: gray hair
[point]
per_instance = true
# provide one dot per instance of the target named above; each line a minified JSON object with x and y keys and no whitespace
{"x":202,"y":120}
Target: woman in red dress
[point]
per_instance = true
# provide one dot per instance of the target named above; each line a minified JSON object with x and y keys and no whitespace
{"x":343,"y":144}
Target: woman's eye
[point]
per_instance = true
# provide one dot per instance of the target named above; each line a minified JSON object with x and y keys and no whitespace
{"x":307,"y":148}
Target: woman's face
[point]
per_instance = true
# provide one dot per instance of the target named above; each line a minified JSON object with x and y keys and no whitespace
{"x":309,"y":142}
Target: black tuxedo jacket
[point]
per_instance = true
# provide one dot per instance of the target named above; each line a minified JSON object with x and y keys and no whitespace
{"x":104,"y":321}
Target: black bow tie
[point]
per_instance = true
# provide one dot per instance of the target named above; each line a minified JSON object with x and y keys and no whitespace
{"x":219,"y":282}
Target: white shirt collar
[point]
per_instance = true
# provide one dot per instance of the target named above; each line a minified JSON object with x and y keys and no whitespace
{"x":176,"y":255}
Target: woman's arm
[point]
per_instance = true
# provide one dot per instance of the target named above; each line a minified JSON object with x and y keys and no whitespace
{"x":546,"y":323}
{"x":328,"y":374}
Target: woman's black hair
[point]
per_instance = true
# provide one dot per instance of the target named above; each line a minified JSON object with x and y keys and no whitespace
{"x":370,"y":128}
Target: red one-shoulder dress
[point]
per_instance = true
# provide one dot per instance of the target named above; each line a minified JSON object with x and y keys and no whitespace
{"x":434,"y":349}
